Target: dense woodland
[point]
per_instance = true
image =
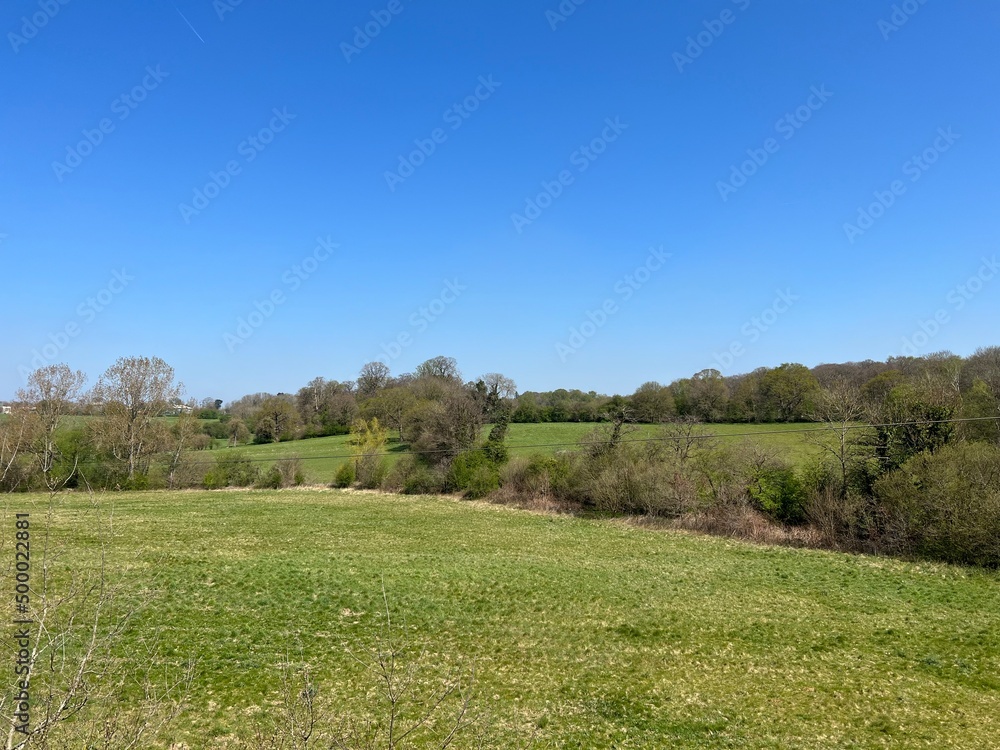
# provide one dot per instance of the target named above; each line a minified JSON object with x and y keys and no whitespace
{"x":907,"y":450}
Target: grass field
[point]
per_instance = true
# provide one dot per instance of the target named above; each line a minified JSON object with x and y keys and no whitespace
{"x":323,"y":456}
{"x":607,"y":635}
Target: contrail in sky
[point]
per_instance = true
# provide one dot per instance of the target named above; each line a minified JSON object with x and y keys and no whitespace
{"x":188,"y":23}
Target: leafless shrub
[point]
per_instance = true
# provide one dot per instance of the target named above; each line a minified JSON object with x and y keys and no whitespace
{"x":743,"y":522}
{"x":85,"y":691}
{"x":412,"y":700}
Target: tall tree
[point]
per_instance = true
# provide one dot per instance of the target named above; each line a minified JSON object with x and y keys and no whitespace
{"x":708,"y":395}
{"x":275,"y":420}
{"x":653,"y":403}
{"x":840,"y":407}
{"x":134,"y":391}
{"x":390,"y":407}
{"x":49,"y":395}
{"x":790,"y":390}
{"x":374,"y":376}
{"x":445,"y":368}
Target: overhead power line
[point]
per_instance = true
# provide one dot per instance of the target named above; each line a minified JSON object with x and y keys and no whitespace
{"x":828,"y":428}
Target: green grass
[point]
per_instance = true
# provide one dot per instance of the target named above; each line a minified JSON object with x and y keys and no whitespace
{"x":608,"y":635}
{"x":323,"y":456}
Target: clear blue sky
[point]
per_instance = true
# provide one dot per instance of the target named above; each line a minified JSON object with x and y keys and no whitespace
{"x":689,"y":88}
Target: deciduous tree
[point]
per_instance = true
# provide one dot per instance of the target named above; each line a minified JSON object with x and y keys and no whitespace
{"x":134,"y":391}
{"x":48,"y":397}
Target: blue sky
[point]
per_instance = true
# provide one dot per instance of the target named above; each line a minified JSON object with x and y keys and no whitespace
{"x":587,"y":199}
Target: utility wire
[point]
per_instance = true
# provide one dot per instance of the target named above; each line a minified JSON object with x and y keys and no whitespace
{"x":830,"y":427}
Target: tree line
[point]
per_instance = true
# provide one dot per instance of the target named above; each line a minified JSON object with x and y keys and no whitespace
{"x":907,"y":450}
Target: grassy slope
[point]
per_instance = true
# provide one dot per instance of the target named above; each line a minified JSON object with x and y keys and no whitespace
{"x":322,"y":456}
{"x":618,"y":636}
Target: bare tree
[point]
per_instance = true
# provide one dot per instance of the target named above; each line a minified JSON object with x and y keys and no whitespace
{"x":390,"y":406}
{"x":184,"y":434}
{"x":445,"y":368}
{"x":134,"y":391}
{"x":48,"y":397}
{"x":14,"y":434}
{"x":499,"y":387}
{"x":683,"y":435}
{"x":374,"y":376}
{"x":839,"y":409}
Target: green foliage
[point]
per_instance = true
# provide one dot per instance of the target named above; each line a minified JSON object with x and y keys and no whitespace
{"x":944,"y":506}
{"x":913,"y":419}
{"x":778,"y":492}
{"x":269,"y":480}
{"x":345,"y":476}
{"x":369,"y":438}
{"x":285,"y":473}
{"x":218,"y":430}
{"x":535,"y":475}
{"x":371,"y":470}
{"x":275,"y":420}
{"x":422,"y":480}
{"x":979,"y":402}
{"x":474,"y":473}
{"x":790,"y":392}
{"x":495,"y":448}
{"x":232,"y":469}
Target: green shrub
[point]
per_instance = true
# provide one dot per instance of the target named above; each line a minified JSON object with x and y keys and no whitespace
{"x":468,"y":468}
{"x":482,"y":481}
{"x":778,"y":493}
{"x":232,"y":469}
{"x":345,"y":475}
{"x":637,"y":479}
{"x":270,"y":480}
{"x":411,"y":475}
{"x":371,"y":470}
{"x":421,"y":482}
{"x":528,"y":475}
{"x":944,"y":506}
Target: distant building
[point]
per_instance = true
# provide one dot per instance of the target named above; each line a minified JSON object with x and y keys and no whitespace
{"x":5,"y":409}
{"x":175,"y":410}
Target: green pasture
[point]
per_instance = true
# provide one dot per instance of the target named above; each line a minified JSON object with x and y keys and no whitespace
{"x":582,"y":633}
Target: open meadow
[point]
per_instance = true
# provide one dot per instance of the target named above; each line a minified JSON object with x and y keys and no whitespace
{"x":321,"y":457}
{"x":583,"y":633}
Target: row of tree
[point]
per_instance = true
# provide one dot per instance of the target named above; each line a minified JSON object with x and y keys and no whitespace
{"x":436,"y":412}
{"x":788,"y":393}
